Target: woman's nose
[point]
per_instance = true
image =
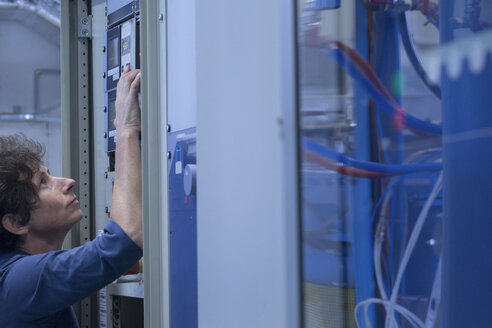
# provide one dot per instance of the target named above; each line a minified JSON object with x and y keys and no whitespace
{"x":67,"y":185}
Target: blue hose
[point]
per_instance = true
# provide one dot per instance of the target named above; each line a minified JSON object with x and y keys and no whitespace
{"x":383,"y":103}
{"x":330,"y":154}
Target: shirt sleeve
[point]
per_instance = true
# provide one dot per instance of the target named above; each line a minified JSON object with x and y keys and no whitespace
{"x":46,"y":283}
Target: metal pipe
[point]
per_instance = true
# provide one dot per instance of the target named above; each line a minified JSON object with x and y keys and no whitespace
{"x":28,"y":118}
{"x":35,"y":9}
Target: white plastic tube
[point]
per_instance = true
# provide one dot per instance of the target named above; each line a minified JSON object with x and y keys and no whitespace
{"x":405,"y":313}
{"x":435,"y":299}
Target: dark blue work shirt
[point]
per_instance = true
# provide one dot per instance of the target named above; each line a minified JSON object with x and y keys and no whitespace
{"x":38,"y":290}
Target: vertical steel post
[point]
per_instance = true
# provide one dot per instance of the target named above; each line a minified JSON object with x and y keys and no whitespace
{"x":75,"y":72}
{"x":361,"y":192}
{"x":153,"y":36}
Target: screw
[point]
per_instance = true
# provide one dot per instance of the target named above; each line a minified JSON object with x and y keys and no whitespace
{"x":168,"y":128}
{"x":85,"y":21}
{"x":168,"y":155}
{"x":161,"y":17}
{"x":85,"y":32}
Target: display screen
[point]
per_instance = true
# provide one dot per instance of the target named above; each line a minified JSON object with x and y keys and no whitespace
{"x":126,"y":44}
{"x":192,"y":148}
{"x":113,"y":53}
{"x":112,"y":115}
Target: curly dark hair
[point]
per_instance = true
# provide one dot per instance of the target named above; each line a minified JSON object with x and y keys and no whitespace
{"x":20,"y":159}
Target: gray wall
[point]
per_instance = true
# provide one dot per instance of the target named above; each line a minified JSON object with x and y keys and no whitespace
{"x":25,"y":50}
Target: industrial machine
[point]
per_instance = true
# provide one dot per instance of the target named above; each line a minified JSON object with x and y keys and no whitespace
{"x":379,"y":170}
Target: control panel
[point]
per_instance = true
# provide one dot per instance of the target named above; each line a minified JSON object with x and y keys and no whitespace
{"x":122,"y":50}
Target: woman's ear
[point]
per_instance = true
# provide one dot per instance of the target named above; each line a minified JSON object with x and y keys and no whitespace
{"x":11,"y":223}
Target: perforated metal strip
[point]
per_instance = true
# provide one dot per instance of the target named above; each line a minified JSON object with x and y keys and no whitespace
{"x":84,"y":178}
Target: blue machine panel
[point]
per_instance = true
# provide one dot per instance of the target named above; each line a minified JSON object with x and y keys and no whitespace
{"x":183,"y":238}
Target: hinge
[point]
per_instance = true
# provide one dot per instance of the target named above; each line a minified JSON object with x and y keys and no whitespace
{"x":85,"y":27}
